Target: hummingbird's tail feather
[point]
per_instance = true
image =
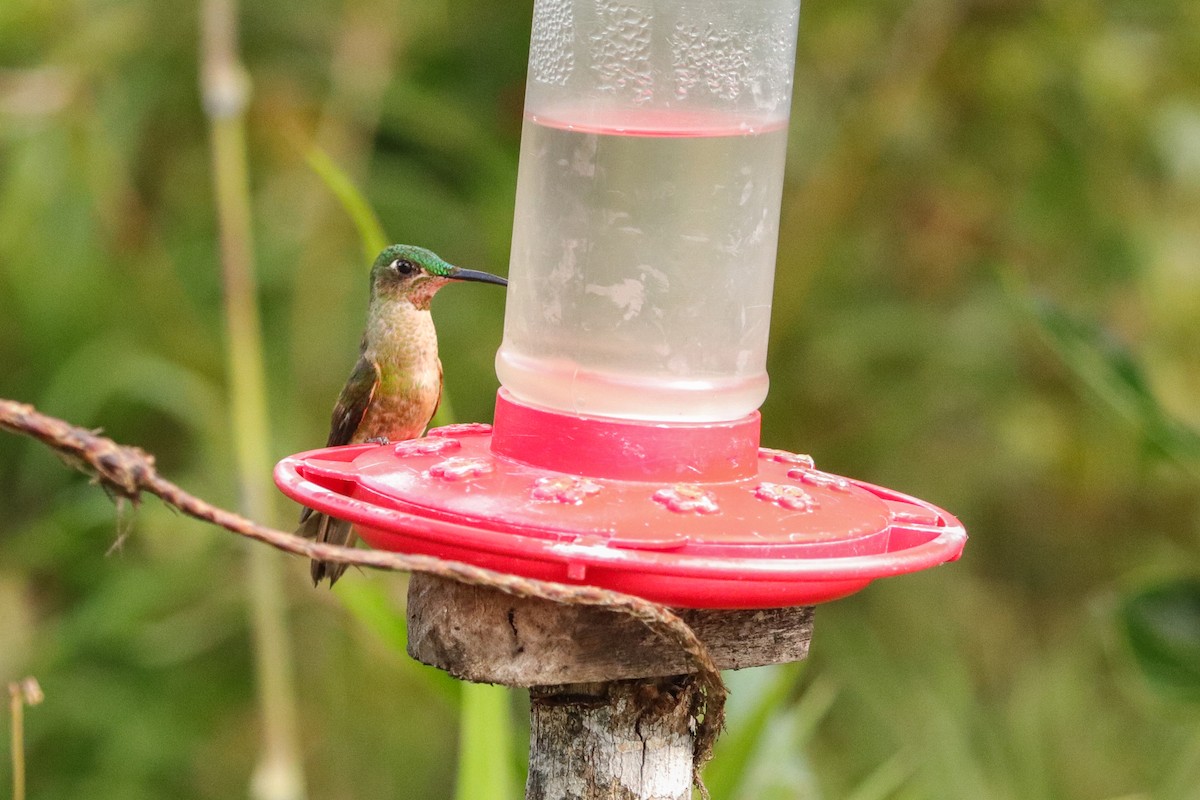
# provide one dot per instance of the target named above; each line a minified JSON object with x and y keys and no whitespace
{"x":324,"y":528}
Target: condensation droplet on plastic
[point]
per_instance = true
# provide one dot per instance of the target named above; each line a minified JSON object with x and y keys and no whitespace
{"x":709,"y":58}
{"x":620,"y":51}
{"x":551,"y":56}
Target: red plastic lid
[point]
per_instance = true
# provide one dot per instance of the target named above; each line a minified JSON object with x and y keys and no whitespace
{"x":751,"y":528}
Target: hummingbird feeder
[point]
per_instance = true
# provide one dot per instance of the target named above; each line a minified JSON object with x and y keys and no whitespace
{"x":625,"y":452}
{"x":625,"y":448}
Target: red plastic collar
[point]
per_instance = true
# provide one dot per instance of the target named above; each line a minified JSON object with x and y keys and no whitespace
{"x":601,"y":447}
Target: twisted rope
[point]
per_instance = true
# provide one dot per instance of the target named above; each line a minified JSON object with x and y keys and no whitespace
{"x":126,"y":472}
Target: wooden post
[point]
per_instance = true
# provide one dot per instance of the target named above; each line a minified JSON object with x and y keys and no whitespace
{"x":620,"y":739}
{"x":610,"y":715}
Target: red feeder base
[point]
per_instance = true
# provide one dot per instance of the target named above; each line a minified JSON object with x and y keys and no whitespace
{"x":695,"y":516}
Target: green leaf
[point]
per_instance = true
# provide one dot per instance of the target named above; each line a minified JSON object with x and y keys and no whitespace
{"x":1107,"y":366}
{"x":485,"y":741}
{"x":370,"y":229}
{"x":86,"y":383}
{"x":778,"y":766}
{"x":1162,"y":625}
{"x":885,"y":781}
{"x":759,"y":694}
{"x":368,"y":602}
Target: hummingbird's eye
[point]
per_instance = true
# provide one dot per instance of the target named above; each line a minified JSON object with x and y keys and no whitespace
{"x":403,"y":266}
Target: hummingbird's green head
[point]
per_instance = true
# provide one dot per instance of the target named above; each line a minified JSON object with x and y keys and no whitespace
{"x":405,"y":270}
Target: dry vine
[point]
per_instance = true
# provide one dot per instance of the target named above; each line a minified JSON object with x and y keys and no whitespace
{"x":126,"y":472}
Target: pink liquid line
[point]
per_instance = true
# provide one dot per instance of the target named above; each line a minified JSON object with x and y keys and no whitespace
{"x":664,"y":124}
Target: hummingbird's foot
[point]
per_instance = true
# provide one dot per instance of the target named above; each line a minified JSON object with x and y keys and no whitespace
{"x":378,"y":440}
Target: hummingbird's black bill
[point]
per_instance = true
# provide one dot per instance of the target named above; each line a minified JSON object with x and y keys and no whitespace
{"x":460,"y":274}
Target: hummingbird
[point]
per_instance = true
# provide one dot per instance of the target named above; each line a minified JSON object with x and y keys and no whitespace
{"x":395,"y":386}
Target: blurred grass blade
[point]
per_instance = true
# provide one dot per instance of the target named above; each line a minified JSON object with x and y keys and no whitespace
{"x":765,"y":692}
{"x":279,"y":774}
{"x":779,"y":767}
{"x":485,"y":760}
{"x":370,"y":605}
{"x":1114,"y":373}
{"x":370,"y":230}
{"x":885,"y":781}
{"x":1162,"y":626}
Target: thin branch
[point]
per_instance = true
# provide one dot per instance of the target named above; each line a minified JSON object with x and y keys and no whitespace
{"x":129,"y":471}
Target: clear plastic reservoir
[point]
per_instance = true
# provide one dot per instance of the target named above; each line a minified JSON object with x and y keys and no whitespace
{"x":647,"y":207}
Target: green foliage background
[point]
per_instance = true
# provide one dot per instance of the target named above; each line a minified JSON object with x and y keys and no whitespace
{"x":988,"y":295}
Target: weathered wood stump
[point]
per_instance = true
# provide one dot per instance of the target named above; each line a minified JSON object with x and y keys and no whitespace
{"x":605,"y":690}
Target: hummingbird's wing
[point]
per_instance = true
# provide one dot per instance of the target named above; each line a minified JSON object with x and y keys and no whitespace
{"x":438,"y":401}
{"x":351,"y":407}
{"x":353,"y":402}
